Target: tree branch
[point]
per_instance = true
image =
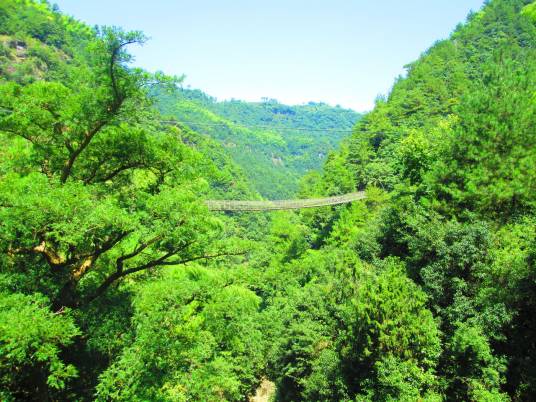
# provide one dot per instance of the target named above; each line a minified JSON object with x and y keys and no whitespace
{"x":83,"y":262}
{"x":68,"y":166}
{"x":113,"y":173}
{"x":111,"y":110}
{"x":94,"y":171}
{"x":120,"y":169}
{"x":26,"y":137}
{"x":159,"y":262}
{"x":201,"y":257}
{"x":89,"y":260}
{"x":113,"y":62}
{"x":51,"y":256}
{"x":137,"y":250}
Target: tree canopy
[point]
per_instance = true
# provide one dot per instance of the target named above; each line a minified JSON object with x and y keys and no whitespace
{"x":118,"y":283}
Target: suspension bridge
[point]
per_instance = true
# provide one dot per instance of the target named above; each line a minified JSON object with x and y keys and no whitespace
{"x":235,"y":205}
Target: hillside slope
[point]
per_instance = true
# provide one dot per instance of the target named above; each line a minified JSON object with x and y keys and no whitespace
{"x":448,"y":159}
{"x":117,"y":283}
{"x":275,"y":144}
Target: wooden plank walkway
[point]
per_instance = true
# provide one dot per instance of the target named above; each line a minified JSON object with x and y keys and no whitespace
{"x":233,"y":205}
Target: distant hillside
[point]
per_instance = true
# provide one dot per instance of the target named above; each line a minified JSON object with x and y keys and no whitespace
{"x":38,"y":44}
{"x":275,"y":144}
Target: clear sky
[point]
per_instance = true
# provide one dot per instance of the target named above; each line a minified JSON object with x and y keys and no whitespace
{"x":337,"y":51}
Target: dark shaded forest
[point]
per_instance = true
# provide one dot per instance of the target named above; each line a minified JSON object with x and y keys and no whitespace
{"x":117,"y":282}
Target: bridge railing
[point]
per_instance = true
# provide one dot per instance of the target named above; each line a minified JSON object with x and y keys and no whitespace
{"x":235,"y":205}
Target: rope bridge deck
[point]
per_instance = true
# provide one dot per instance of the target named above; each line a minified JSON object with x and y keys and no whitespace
{"x":232,"y":205}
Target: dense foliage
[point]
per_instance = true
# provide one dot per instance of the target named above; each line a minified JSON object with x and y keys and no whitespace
{"x":117,"y":283}
{"x":274,"y":143}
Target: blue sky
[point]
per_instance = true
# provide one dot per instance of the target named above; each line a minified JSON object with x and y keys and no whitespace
{"x":343,"y":52}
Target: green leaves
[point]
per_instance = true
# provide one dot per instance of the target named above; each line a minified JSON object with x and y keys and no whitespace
{"x":197,"y":338}
{"x":341,"y":323}
{"x":530,"y":11}
{"x":31,"y":340}
{"x":477,"y":371}
{"x":388,"y":319}
{"x":40,"y":210}
{"x":423,"y":292}
{"x":494,"y":143}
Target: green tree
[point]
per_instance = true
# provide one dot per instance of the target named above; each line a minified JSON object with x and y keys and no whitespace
{"x":489,"y":167}
{"x":31,"y":342}
{"x":94,"y":189}
{"x":197,"y":338}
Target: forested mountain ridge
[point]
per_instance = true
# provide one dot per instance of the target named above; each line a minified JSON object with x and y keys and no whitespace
{"x":454,"y":144}
{"x":275,"y":144}
{"x":117,"y":283}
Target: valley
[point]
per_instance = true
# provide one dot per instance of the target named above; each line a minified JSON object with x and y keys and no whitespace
{"x":158,"y":244}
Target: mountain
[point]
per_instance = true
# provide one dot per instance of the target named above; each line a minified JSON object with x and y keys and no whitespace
{"x":118,"y":284}
{"x":448,"y":160}
{"x":275,"y":144}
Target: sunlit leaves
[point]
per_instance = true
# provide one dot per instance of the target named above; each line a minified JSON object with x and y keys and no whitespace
{"x":31,"y":340}
{"x":197,"y":338}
